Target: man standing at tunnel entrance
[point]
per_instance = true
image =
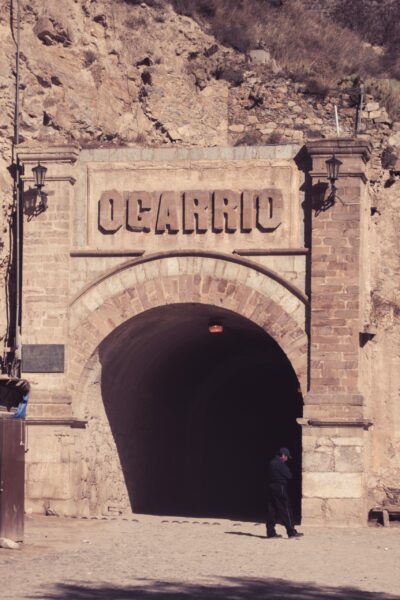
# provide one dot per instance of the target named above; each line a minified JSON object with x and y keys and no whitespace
{"x":279,"y":509}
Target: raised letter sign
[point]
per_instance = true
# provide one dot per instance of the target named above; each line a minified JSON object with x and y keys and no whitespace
{"x":139,"y":211}
{"x":111,"y":211}
{"x":226,"y":204}
{"x":197,"y":211}
{"x":248,"y":211}
{"x":192,"y":211}
{"x":269,"y":209}
{"x":167,"y":218}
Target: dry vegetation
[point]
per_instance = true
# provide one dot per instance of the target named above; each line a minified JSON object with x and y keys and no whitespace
{"x":377,"y":22}
{"x":307,"y":46}
{"x":303,"y":43}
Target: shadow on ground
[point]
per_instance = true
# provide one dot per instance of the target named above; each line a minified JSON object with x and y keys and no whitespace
{"x":227,"y":589}
{"x":261,"y":537}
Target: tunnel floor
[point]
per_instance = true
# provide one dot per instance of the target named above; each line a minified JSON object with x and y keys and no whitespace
{"x":197,"y":415}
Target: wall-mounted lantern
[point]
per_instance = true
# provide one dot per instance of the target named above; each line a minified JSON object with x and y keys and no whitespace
{"x":39,"y":173}
{"x":333,"y":165}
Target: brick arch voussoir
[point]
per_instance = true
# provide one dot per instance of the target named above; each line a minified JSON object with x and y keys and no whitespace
{"x":284,"y":329}
{"x":204,"y":289}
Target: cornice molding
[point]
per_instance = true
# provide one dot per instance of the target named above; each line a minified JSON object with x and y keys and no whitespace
{"x":345,"y":147}
{"x":58,"y":154}
{"x":360,"y":423}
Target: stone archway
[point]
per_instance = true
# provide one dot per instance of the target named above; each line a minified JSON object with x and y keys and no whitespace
{"x":135,"y":288}
{"x":112,"y":309}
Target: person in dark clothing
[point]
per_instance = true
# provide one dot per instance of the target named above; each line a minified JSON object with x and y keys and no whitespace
{"x":279,"y":508}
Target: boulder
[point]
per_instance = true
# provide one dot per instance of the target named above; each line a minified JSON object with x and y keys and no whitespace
{"x":52,"y":32}
{"x":263,"y":57}
{"x":394,"y":139}
{"x":44,"y":30}
{"x":260,"y":57}
{"x":236,"y":128}
{"x":372,"y":106}
{"x":374,"y":114}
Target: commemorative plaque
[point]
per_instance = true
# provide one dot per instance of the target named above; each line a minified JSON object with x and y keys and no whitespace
{"x":43,"y":358}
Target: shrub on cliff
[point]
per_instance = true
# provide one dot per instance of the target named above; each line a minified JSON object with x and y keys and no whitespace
{"x":301,"y":41}
{"x":387,"y":91}
{"x":308,"y":46}
{"x":376,"y":21}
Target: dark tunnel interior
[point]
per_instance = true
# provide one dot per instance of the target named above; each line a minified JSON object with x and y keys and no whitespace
{"x":197,"y":415}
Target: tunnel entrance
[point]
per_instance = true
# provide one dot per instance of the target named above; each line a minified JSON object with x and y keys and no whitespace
{"x":196,"y":416}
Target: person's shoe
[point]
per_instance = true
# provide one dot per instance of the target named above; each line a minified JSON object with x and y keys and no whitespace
{"x":275,"y":535}
{"x":295,"y":534}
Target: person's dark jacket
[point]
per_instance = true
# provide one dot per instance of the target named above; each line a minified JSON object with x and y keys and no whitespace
{"x":278,"y":472}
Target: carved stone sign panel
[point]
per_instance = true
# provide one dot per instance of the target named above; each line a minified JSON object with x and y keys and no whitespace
{"x":187,"y":204}
{"x":192,"y":211}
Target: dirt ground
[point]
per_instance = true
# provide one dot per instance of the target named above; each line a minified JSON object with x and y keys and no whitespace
{"x":168,"y":558}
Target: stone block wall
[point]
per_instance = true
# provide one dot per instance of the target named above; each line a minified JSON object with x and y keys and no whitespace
{"x":52,"y":461}
{"x":333,"y":475}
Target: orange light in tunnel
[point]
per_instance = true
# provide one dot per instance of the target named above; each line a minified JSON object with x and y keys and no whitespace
{"x":215,"y":328}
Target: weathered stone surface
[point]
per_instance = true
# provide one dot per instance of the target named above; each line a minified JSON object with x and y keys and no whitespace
{"x":372,"y":106}
{"x":344,"y":511}
{"x":349,"y":459}
{"x":50,"y":31}
{"x":261,"y":57}
{"x":318,"y":461}
{"x":49,"y":480}
{"x":47,"y":451}
{"x":394,"y":139}
{"x":186,"y":120}
{"x":311,"y":508}
{"x":332,"y":485}
{"x":236,"y":128}
{"x":348,"y":441}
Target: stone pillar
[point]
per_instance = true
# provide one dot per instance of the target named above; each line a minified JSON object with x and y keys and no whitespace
{"x":45,"y":285}
{"x":334,"y":425}
{"x":51,"y":460}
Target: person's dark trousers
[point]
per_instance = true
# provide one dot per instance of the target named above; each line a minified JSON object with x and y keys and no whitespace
{"x":279,"y":509}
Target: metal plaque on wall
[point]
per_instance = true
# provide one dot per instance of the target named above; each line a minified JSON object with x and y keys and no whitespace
{"x":43,"y":358}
